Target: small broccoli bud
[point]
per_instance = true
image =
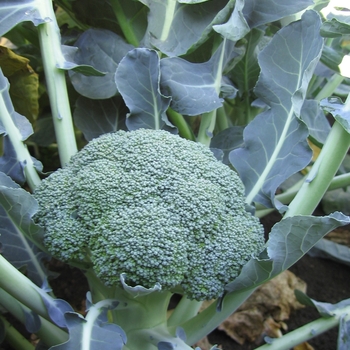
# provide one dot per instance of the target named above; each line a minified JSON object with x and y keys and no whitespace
{"x":159,"y":208}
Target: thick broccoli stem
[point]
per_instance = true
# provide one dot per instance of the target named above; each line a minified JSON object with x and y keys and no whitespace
{"x":142,"y":318}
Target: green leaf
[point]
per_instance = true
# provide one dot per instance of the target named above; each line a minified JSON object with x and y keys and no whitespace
{"x":195,"y":87}
{"x":93,"y":331}
{"x":97,"y":117}
{"x":289,"y":240}
{"x":174,"y":28}
{"x":228,"y":140}
{"x":69,"y":54}
{"x":344,"y":334}
{"x":17,"y":207}
{"x":250,"y":14}
{"x":340,"y":112}
{"x":327,"y":249}
{"x":316,"y":121}
{"x":335,"y":28}
{"x":325,"y":309}
{"x":137,"y":79}
{"x":103,"y":50}
{"x":275,"y":141}
{"x":17,"y":11}
{"x":246,"y":72}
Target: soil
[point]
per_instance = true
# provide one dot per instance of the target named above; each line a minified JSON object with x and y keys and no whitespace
{"x":327,"y":281}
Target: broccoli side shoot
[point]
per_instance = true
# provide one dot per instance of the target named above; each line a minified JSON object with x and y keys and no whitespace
{"x":159,"y":208}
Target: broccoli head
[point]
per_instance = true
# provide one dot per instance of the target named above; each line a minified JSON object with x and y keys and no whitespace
{"x":159,"y":208}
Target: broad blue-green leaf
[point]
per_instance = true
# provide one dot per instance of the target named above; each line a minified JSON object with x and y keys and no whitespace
{"x":325,"y":309}
{"x":228,"y":140}
{"x":250,"y":14}
{"x":289,"y":240}
{"x":97,"y":117}
{"x":69,"y":53}
{"x":327,"y":249}
{"x":340,"y":112}
{"x":195,"y":87}
{"x":335,"y":28}
{"x":16,"y":11}
{"x":316,"y":121}
{"x":344,"y":333}
{"x":103,"y":50}
{"x":137,"y":79}
{"x":246,"y":72}
{"x":275,"y":141}
{"x":93,"y":331}
{"x":175,"y":27}
{"x":9,"y":163}
{"x":17,"y":207}
{"x":56,"y":308}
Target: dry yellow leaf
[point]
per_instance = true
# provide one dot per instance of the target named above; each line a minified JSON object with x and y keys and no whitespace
{"x":24,"y":83}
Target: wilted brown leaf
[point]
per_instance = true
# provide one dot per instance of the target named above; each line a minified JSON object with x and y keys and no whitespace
{"x":205,"y":345}
{"x":264,"y":312}
{"x":304,"y":346}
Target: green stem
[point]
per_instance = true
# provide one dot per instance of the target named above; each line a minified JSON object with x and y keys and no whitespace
{"x":23,"y":155}
{"x":221,"y":119}
{"x":14,"y":338}
{"x":50,"y":43}
{"x":206,"y":128}
{"x":184,"y":310}
{"x":179,"y":121}
{"x":124,"y":23}
{"x":209,"y":319}
{"x":308,"y":331}
{"x":21,"y":288}
{"x":322,"y":172}
{"x":339,"y":181}
{"x":49,"y":333}
{"x":330,"y":87}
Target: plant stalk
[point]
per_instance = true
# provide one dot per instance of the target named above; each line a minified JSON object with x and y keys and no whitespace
{"x":21,"y":288}
{"x":322,"y":172}
{"x":205,"y":322}
{"x":49,"y":333}
{"x":53,"y":60}
{"x":307,"y":332}
{"x":124,"y":23}
{"x":14,"y":338}
{"x":206,"y":128}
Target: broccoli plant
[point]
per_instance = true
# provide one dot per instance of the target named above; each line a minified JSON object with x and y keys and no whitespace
{"x":142,"y":145}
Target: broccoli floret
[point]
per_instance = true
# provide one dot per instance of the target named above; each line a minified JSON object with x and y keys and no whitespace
{"x":159,"y":208}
